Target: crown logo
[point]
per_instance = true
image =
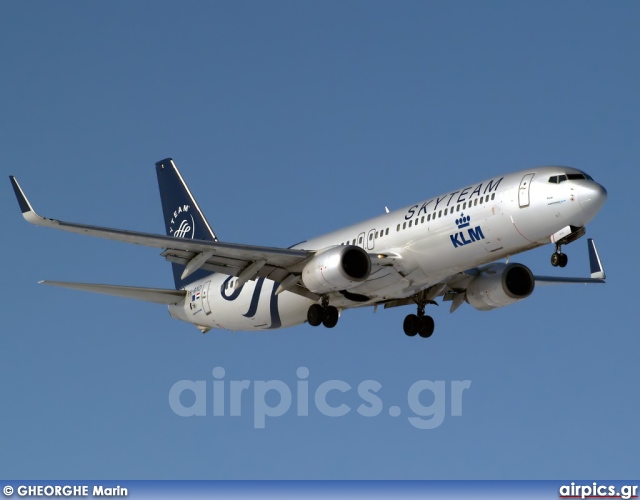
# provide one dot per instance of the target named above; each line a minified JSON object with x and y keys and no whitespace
{"x":463,"y":221}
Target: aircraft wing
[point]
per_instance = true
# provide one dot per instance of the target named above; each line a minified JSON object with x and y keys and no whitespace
{"x":215,"y":256}
{"x":597,"y":271}
{"x":454,"y":287}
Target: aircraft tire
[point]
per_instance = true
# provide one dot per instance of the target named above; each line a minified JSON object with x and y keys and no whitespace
{"x":315,"y":315}
{"x":331,"y":316}
{"x":411,"y":325}
{"x":564,"y":260}
{"x":427,"y":326}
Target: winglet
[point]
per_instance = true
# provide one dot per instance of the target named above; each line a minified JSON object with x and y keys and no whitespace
{"x":27,"y":210}
{"x":25,"y":206}
{"x":597,"y":271}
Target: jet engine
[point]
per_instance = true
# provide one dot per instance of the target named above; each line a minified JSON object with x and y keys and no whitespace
{"x":337,"y":268}
{"x":500,"y":285}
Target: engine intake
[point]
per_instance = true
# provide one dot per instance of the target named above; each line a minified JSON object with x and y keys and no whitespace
{"x":499,"y":286}
{"x":338,"y":268}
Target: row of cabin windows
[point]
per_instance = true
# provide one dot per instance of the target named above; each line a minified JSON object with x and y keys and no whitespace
{"x":378,"y":234}
{"x":446,"y":211}
{"x":429,"y":217}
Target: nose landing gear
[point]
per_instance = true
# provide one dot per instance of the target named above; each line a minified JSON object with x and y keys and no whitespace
{"x":558,"y":258}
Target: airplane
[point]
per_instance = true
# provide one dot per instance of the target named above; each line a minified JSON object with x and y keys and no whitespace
{"x":444,"y":247}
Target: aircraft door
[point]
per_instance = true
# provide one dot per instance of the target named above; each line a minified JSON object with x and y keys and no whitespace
{"x":523,"y":192}
{"x":371,"y":239}
{"x":205,"y":298}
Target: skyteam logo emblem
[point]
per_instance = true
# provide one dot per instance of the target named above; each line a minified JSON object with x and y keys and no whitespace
{"x":460,"y":238}
{"x":182,"y":224}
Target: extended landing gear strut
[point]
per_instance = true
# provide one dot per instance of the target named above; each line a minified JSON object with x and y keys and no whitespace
{"x":323,"y":314}
{"x":419,"y":323}
{"x":558,"y":258}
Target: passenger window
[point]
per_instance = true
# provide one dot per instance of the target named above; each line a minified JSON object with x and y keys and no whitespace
{"x":422,"y":221}
{"x":428,"y":217}
{"x":354,"y":241}
{"x":481,"y":198}
{"x":410,"y":223}
{"x":475,"y":202}
{"x":458,"y":208}
{"x":371,"y":236}
{"x":493,"y":196}
{"x":439,"y":214}
{"x":387,"y":232}
{"x":404,"y":225}
{"x":398,"y":228}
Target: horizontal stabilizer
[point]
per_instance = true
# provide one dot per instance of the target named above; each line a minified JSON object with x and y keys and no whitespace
{"x":157,"y":295}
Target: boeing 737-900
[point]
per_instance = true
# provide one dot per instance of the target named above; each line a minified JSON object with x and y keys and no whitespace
{"x":444,"y":247}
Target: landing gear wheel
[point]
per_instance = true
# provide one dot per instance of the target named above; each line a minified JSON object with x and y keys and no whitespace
{"x":555,"y":259}
{"x":315,"y":315}
{"x":330,"y":317}
{"x":427,"y":326}
{"x":411,"y":325}
{"x":564,"y":259}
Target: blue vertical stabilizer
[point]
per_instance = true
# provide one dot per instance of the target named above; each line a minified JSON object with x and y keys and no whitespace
{"x":182,"y":215}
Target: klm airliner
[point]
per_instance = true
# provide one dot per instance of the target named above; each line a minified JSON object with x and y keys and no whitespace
{"x":447,"y":247}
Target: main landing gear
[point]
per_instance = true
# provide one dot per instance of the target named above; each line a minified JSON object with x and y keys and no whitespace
{"x":419,"y":324}
{"x":323,"y":314}
{"x":558,"y":258}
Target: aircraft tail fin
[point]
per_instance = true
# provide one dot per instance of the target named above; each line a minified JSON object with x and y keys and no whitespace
{"x":182,"y":215}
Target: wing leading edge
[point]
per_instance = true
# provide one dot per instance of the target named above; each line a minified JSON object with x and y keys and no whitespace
{"x":228,"y":258}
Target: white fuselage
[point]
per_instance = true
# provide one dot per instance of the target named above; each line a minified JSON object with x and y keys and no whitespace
{"x":431,"y":240}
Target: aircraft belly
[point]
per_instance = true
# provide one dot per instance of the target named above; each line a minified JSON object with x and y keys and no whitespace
{"x":378,"y":282}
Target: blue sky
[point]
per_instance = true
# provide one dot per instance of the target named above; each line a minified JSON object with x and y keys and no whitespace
{"x":291,"y":119}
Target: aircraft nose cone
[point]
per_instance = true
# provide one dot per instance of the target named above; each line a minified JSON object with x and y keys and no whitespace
{"x":592,"y":197}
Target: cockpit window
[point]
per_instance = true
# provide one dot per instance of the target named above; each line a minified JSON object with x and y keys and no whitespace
{"x":557,"y":179}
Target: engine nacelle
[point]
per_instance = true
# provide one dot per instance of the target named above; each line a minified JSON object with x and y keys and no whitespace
{"x":499,"y":286}
{"x":337,"y":268}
